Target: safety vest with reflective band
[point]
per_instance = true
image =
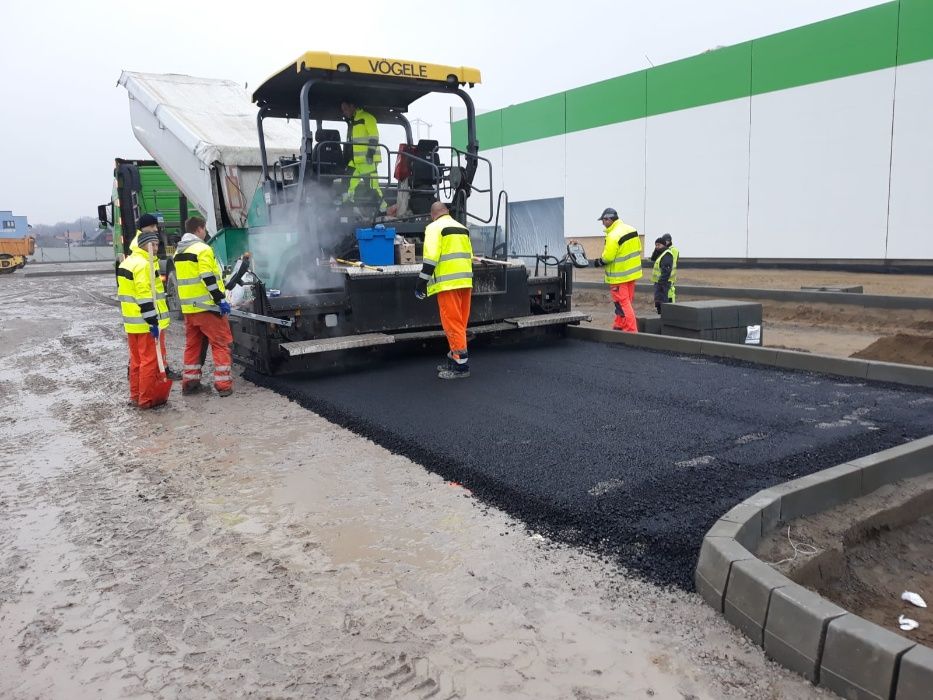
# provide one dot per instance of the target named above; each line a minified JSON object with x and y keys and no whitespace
{"x":448,"y":256}
{"x":621,"y":253}
{"x":656,"y":274}
{"x":364,"y":135}
{"x":139,"y":306}
{"x":198,"y":276}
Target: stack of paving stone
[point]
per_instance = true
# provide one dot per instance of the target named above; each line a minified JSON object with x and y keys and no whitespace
{"x":721,"y":320}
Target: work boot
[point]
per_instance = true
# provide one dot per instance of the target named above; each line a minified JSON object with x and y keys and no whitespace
{"x":456,"y":370}
{"x":224,"y":392}
{"x":191,"y":388}
{"x":447,"y":364}
{"x":173,"y":374}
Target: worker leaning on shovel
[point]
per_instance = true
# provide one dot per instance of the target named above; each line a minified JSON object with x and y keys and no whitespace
{"x":145,"y":317}
{"x":201,"y":293}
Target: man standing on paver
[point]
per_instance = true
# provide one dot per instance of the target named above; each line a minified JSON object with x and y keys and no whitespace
{"x":664,"y":275}
{"x":201,"y":293}
{"x":447,"y":271}
{"x":145,"y":318}
{"x":622,"y":259}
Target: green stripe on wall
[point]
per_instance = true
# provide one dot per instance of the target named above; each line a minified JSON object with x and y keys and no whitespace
{"x":863,"y":41}
{"x":915,"y":42}
{"x":835,"y":48}
{"x":533,"y":120}
{"x":616,"y":100}
{"x":715,"y":76}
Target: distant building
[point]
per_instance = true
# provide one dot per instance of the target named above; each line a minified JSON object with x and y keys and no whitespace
{"x":13,"y":226}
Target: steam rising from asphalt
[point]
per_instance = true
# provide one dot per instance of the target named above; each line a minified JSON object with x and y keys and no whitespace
{"x":292,"y":254}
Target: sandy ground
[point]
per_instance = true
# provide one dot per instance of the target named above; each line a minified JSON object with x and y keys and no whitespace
{"x":827,"y":329}
{"x":246,"y":547}
{"x":865,"y":553}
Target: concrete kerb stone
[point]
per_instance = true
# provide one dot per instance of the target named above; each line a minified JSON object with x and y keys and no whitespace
{"x":861,"y":659}
{"x":821,"y":491}
{"x":902,"y":462}
{"x":717,"y":554}
{"x":748,"y":518}
{"x":795,"y":628}
{"x":748,"y":596}
{"x":915,"y":675}
{"x":900,"y":374}
{"x":785,"y":359}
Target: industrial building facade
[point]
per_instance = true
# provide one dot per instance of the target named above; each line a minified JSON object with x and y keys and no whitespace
{"x":812,"y":144}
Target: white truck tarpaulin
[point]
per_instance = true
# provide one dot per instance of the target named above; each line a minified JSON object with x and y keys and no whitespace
{"x":202,"y":132}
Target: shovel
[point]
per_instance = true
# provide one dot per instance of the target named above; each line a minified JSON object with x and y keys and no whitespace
{"x":155,"y":300}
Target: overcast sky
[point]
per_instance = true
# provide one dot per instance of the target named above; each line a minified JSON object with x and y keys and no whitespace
{"x":63,"y":120}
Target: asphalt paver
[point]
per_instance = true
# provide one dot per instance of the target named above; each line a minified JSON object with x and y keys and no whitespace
{"x":632,"y":452}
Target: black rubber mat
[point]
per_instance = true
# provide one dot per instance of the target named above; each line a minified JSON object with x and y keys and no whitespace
{"x":633,"y":452}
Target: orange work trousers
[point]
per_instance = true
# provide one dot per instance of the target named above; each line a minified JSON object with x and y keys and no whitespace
{"x":622,"y":296}
{"x":454,"y":305}
{"x":148,"y":387}
{"x":204,"y":330}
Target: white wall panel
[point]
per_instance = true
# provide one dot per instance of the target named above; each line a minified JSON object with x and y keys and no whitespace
{"x":534,"y":169}
{"x":910,"y":227}
{"x":819,"y":169}
{"x":697,"y":179}
{"x":605,"y":168}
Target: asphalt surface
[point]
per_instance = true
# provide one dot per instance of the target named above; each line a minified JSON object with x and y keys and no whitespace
{"x":632,"y":452}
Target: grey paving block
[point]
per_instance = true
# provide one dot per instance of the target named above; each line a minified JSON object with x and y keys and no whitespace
{"x":748,"y":517}
{"x":748,"y":595}
{"x":649,"y":323}
{"x":821,"y":491}
{"x":717,"y":555}
{"x":846,"y":367}
{"x":860,"y":659}
{"x":902,"y":462}
{"x":749,"y":313}
{"x":910,"y":375}
{"x":796,"y":627}
{"x":915,"y":675}
{"x":702,"y":315}
{"x":749,"y":353}
{"x":678,"y":332}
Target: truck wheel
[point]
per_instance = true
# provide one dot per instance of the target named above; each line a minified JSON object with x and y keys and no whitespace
{"x":10,"y":268}
{"x":171,"y":296}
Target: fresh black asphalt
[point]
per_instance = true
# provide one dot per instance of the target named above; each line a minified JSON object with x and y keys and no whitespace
{"x":632,"y":452}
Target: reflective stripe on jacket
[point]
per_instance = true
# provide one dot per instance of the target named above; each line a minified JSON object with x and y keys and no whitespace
{"x":448,"y":256}
{"x":621,"y":253}
{"x":139,"y":306}
{"x":364,"y":135}
{"x":198,"y":275}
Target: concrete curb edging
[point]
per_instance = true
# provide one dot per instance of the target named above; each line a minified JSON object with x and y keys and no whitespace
{"x":872,"y":301}
{"x":910,"y":375}
{"x":797,"y":628}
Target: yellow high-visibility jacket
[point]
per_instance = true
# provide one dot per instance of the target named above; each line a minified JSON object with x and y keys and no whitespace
{"x":199,"y":277}
{"x":448,"y":256}
{"x":364,"y":135}
{"x":140,"y":305}
{"x":621,"y":254}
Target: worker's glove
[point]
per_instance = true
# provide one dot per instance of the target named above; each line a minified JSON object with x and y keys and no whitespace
{"x":224,"y":307}
{"x":598,"y":262}
{"x":370,"y":155}
{"x":421,"y":289}
{"x":154,"y":331}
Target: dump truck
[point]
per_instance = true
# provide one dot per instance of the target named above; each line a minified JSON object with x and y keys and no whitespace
{"x":13,"y":253}
{"x":297,"y":308}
